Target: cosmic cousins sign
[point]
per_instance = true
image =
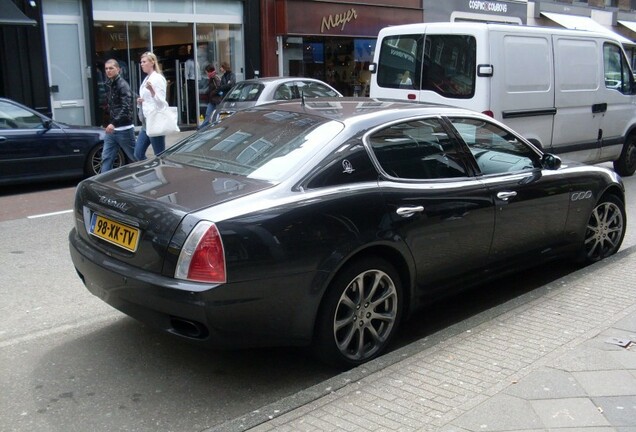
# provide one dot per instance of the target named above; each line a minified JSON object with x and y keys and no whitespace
{"x":435,"y":10}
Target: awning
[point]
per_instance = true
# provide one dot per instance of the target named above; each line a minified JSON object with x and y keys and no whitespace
{"x":11,"y":15}
{"x":629,"y":24}
{"x":584,"y":23}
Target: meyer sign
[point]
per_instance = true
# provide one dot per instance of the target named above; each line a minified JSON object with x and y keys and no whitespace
{"x":340,"y":19}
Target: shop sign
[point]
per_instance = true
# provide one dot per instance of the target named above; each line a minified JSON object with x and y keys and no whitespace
{"x":435,"y":10}
{"x":338,"y":20}
{"x":488,"y":6}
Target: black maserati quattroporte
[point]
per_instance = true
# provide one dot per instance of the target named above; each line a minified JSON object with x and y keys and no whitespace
{"x":326,"y":222}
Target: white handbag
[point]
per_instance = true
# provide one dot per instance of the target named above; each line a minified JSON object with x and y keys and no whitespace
{"x":162,"y":122}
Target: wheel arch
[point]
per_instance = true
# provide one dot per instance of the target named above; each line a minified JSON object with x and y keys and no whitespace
{"x":403,"y":265}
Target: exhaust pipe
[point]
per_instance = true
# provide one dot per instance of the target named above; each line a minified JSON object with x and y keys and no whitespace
{"x":187,"y":328}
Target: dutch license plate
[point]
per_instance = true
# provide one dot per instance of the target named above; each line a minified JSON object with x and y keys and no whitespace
{"x":124,"y":236}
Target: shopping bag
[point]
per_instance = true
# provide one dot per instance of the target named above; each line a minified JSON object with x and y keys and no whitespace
{"x":162,"y":122}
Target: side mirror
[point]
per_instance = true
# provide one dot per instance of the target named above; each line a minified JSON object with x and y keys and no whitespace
{"x":47,"y":123}
{"x":372,"y":68}
{"x":551,"y":162}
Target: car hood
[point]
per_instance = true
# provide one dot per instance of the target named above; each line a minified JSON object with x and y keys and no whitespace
{"x":181,"y":186}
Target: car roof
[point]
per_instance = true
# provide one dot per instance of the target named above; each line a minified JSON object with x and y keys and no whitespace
{"x":352,"y":108}
{"x":278,"y":79}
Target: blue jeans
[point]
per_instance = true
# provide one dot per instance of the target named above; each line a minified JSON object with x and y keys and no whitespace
{"x":124,"y":139}
{"x":208,"y":113}
{"x":143,"y":141}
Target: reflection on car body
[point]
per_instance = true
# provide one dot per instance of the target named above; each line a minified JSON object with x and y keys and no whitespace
{"x":326,"y":223}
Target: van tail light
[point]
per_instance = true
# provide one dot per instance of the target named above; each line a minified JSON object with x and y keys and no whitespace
{"x":202,"y":258}
{"x":489,"y":113}
{"x":411,"y":96}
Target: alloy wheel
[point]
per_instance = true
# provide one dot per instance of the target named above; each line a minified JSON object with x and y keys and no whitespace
{"x":605,"y":231}
{"x":365,"y":315}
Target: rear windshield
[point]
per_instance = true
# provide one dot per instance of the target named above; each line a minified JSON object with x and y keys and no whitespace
{"x":444,"y":64}
{"x":263,"y":145}
{"x":244,"y":92}
{"x":312,"y":89}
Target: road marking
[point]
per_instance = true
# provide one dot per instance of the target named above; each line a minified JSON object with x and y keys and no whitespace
{"x":105,"y":318}
{"x":50,"y":214}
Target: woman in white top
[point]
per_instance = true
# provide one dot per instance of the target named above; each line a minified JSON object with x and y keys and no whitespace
{"x":152,"y":96}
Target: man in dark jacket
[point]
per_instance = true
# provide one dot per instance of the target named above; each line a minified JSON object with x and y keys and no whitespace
{"x":227,"y":80}
{"x":120,"y":132}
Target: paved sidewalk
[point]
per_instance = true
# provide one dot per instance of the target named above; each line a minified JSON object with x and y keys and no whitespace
{"x":560,"y":358}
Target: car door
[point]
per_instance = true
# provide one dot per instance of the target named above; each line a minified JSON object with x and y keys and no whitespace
{"x":29,"y":146}
{"x":531,"y":203}
{"x":443,"y":213}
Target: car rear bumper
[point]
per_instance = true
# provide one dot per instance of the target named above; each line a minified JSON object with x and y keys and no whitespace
{"x":272,"y":312}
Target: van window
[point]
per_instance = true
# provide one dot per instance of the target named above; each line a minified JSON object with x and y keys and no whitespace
{"x":400,"y":55}
{"x":445,"y":64}
{"x":617,"y":72}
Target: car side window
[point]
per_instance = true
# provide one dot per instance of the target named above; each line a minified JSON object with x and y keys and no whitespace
{"x":417,"y":150}
{"x":352,"y":165}
{"x":284,"y":92}
{"x":15,"y":117}
{"x":313,"y":89}
{"x":495,"y":149}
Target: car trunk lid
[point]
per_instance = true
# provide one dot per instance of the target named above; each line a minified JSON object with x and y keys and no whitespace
{"x":132,"y":213}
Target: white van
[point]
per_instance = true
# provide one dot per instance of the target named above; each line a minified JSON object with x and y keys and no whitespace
{"x":570,"y":92}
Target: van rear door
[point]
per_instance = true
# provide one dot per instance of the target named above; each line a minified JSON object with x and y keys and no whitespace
{"x":433,"y":63}
{"x":577,"y":122}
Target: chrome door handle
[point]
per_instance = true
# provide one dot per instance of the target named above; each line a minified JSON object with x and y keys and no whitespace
{"x":505,"y":195}
{"x":409,"y":211}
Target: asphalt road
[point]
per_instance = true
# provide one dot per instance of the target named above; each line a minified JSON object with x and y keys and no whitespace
{"x":71,"y":363}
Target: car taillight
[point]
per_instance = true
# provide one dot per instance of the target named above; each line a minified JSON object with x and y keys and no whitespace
{"x":202,"y":258}
{"x":489,"y":113}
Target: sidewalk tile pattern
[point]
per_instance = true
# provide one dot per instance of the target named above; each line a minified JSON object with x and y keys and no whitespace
{"x":543,"y":365}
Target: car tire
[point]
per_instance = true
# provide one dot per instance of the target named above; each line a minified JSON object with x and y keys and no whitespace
{"x":626,"y":163}
{"x":605,"y":229}
{"x":93,"y":164}
{"x":360,"y":313}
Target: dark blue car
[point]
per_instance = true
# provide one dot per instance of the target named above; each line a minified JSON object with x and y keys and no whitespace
{"x":36,"y":148}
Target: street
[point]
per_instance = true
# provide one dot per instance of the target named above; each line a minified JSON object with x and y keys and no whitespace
{"x":72,"y":363}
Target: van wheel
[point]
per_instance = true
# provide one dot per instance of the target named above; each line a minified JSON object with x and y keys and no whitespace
{"x":360,"y":313}
{"x":626,"y":164}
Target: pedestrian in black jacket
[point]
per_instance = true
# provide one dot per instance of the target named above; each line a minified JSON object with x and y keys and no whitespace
{"x":120,"y":132}
{"x":227,"y":80}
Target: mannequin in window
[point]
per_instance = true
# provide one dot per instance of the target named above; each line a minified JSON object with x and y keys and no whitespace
{"x":191,"y":85}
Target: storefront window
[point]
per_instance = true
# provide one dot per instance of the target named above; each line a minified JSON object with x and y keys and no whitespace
{"x":341,"y":62}
{"x":123,"y":42}
{"x":183,"y":48}
{"x":215,"y":44}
